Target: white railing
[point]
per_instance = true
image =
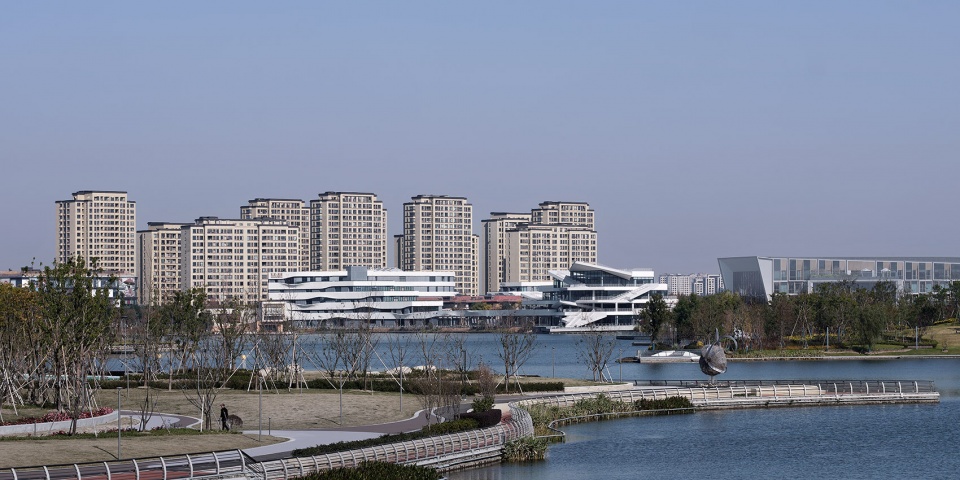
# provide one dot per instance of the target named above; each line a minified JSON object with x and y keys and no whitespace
{"x":230,"y":463}
{"x":409,"y":452}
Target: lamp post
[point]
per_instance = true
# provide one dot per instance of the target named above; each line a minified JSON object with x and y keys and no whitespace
{"x":259,"y":407}
{"x":553,"y":353}
{"x":119,"y":426}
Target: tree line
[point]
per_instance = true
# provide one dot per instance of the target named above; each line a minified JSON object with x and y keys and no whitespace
{"x":841,"y":313}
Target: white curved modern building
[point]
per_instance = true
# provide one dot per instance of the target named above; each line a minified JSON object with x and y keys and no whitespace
{"x":385,"y":297}
{"x":593,"y":296}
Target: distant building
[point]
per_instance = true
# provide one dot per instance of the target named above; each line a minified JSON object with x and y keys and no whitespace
{"x":438,"y":236}
{"x":590,"y":296}
{"x":123,"y":288}
{"x":159,"y":249}
{"x":523,"y":248}
{"x":360,"y":295}
{"x":764,"y":276}
{"x":686,"y":284}
{"x":231,"y":259}
{"x":347,"y":229}
{"x":293,"y":211}
{"x":495,"y":231}
{"x":101,"y":225}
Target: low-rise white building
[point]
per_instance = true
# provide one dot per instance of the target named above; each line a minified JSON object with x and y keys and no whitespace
{"x":386,"y":297}
{"x":592,"y":296}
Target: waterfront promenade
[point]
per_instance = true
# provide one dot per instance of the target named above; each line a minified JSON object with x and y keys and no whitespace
{"x":741,"y":394}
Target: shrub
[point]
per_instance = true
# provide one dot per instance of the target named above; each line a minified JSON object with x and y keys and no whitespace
{"x":482,"y":404}
{"x":429,"y":431}
{"x":486,"y":418}
{"x":525,"y":449}
{"x":378,"y":470}
{"x":453,"y":426}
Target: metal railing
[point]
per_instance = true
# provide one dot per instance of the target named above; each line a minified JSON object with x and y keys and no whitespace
{"x":701,"y":392}
{"x":408,"y":452}
{"x":834,"y":386}
{"x":212,"y":464}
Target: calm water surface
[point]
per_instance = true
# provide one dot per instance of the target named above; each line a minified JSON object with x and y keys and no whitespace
{"x":888,"y":441}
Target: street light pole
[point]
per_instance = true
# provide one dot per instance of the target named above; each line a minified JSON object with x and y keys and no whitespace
{"x":119,"y":426}
{"x":553,"y":352}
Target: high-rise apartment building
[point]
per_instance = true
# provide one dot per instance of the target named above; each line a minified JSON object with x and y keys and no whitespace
{"x":523,"y":247}
{"x":698,"y":283}
{"x":438,"y":236}
{"x":100,"y":225}
{"x":347,"y":229}
{"x":233,"y":259}
{"x":533,"y":250}
{"x":563,"y":213}
{"x":294,"y":212}
{"x":159,"y":248}
{"x":494,"y":233}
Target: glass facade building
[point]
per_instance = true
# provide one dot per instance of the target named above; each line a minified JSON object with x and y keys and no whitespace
{"x":756,"y":276}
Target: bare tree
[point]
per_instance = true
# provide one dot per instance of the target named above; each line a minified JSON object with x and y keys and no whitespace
{"x":595,"y":348}
{"x":516,"y":346}
{"x":214,"y":359}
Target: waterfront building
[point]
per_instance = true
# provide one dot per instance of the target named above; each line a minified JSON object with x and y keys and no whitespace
{"x":231,"y":259}
{"x":591,"y":296}
{"x":526,"y":290}
{"x":438,"y":236}
{"x":763,"y":276}
{"x":347,"y":229}
{"x":523,"y":248}
{"x":159,"y":248}
{"x":121,"y":287}
{"x":355,"y":295}
{"x":293,"y":211}
{"x":101,"y":225}
{"x":686,"y":284}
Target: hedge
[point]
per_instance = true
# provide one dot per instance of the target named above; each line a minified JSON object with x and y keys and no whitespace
{"x":378,"y":470}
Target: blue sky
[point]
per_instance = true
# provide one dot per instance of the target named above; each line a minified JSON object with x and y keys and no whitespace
{"x":695,"y":129}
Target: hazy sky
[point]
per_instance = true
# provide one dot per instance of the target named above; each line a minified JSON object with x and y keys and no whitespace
{"x":696,"y":130}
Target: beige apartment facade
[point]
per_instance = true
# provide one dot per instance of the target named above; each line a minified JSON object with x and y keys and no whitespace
{"x":533,"y":250}
{"x":159,"y":249}
{"x":293,"y":211}
{"x":232,"y":259}
{"x":347,"y":229}
{"x":98,"y":224}
{"x":438,"y":236}
{"x":569,"y":227}
{"x":494,"y":231}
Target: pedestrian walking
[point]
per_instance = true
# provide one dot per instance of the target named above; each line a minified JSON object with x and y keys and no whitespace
{"x":224,"y":417}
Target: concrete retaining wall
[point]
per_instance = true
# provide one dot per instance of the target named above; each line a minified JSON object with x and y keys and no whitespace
{"x":53,"y":427}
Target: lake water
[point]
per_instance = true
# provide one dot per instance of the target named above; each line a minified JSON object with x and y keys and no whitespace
{"x":887,"y":441}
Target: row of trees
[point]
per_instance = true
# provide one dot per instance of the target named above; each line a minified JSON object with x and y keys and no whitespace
{"x":840,"y":312}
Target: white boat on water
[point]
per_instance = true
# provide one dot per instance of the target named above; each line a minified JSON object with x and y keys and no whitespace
{"x":668,"y":356}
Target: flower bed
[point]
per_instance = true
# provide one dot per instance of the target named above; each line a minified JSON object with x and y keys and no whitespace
{"x":58,"y":417}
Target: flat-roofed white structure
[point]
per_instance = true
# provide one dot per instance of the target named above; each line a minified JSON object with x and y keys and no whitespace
{"x":386,"y":297}
{"x":594,"y":296}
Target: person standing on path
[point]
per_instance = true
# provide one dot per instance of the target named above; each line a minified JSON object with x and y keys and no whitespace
{"x":224,"y":417}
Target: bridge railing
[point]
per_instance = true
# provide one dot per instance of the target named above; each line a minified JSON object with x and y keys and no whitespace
{"x":208,"y":464}
{"x":409,"y":452}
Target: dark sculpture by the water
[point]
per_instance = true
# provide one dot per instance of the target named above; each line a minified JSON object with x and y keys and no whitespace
{"x":712,"y":360}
